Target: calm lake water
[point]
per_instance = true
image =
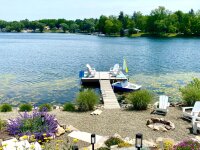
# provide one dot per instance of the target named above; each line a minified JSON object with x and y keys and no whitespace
{"x":44,"y":68}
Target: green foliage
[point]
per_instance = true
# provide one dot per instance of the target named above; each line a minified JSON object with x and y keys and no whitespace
{"x":140,"y":99}
{"x":69,"y":107}
{"x":113,"y":141}
{"x":191,"y":92}
{"x":86,"y":100}
{"x":103,"y":148}
{"x":168,"y":144}
{"x":124,"y":144}
{"x":25,"y":107}
{"x":159,"y":22}
{"x":5,"y":108}
{"x":2,"y":124}
{"x":46,"y":107}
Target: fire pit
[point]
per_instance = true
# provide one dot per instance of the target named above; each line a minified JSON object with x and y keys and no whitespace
{"x":160,"y":124}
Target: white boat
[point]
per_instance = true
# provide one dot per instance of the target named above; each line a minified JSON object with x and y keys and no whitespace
{"x":125,"y":86}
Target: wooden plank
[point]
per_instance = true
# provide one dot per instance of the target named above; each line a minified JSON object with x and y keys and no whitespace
{"x":109,"y":98}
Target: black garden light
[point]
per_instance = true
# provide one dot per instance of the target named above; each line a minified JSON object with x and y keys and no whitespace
{"x":138,"y":141}
{"x":43,"y":119}
{"x":74,"y":147}
{"x":93,"y":140}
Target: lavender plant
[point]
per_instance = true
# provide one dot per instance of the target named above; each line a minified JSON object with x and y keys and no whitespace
{"x":32,"y":124}
{"x":187,"y":145}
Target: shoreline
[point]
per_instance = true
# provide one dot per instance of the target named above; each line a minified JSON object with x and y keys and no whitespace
{"x":139,"y":35}
{"x":125,"y":123}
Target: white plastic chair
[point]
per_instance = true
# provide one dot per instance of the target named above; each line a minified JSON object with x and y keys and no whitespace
{"x":91,"y":71}
{"x":162,"y":105}
{"x":115,"y":70}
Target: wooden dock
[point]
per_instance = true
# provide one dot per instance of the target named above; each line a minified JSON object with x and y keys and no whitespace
{"x":105,"y":79}
{"x":103,"y":76}
{"x":108,"y":95}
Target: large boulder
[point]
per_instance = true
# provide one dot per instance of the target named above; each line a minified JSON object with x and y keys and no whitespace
{"x":60,"y":131}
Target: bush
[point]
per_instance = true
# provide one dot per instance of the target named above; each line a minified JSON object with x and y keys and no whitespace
{"x":69,"y":107}
{"x":6,"y":108}
{"x":124,"y":144}
{"x":168,"y":144}
{"x":187,"y":145}
{"x":103,"y":148}
{"x":86,"y":100}
{"x":45,"y":107}
{"x":113,"y":141}
{"x":25,"y":107}
{"x":191,"y":92}
{"x":140,"y":99}
{"x":2,"y":124}
{"x":31,"y":124}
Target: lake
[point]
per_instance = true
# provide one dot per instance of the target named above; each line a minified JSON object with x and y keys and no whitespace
{"x":43,"y":68}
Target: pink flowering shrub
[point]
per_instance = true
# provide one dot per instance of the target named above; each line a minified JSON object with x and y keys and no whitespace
{"x":187,"y":145}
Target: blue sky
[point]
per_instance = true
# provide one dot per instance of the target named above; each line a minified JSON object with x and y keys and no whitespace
{"x":79,"y":9}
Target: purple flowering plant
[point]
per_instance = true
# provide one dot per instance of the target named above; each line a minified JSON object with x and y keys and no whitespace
{"x":187,"y":145}
{"x":32,"y":124}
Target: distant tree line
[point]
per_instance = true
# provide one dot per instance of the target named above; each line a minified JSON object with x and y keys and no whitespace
{"x":159,"y":21}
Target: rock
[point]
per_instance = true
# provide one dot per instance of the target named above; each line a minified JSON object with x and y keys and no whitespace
{"x":149,"y":121}
{"x":60,"y":131}
{"x":197,"y":138}
{"x":155,"y":127}
{"x":70,"y":128}
{"x":160,"y":124}
{"x":150,"y":126}
{"x":159,"y":139}
{"x":114,"y":147}
{"x":150,"y":144}
{"x":162,"y":128}
{"x":117,"y":136}
{"x":56,"y":107}
{"x":126,"y":139}
{"x":168,"y":127}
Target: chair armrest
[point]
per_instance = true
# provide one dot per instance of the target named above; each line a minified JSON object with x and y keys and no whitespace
{"x":155,"y":105}
{"x":184,"y":108}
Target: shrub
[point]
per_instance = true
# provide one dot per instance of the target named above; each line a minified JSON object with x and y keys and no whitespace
{"x":103,"y":148}
{"x":140,"y":99}
{"x":69,"y":107}
{"x":113,"y":141}
{"x":86,"y":100}
{"x":191,"y":92}
{"x":124,"y":144}
{"x":31,"y":124}
{"x":168,"y":144}
{"x":2,"y":124}
{"x":6,"y":108}
{"x":25,"y":107}
{"x":187,"y":145}
{"x":45,"y":107}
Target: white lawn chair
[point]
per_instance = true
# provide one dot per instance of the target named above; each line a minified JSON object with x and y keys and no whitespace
{"x":161,"y":107}
{"x":196,"y":125}
{"x":114,"y":71}
{"x":193,"y":115}
{"x":91,"y":71}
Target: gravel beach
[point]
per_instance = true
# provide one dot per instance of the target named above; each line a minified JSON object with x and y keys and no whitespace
{"x":126,"y":123}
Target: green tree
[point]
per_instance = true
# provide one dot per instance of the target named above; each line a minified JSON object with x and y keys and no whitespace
{"x":101,"y":24}
{"x":108,"y":26}
{"x":73,"y":27}
{"x":16,"y":26}
{"x":64,"y":26}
